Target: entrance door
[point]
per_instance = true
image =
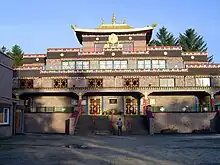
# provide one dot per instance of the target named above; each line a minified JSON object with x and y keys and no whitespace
{"x":131,"y":106}
{"x":18,"y":121}
{"x":95,"y":106}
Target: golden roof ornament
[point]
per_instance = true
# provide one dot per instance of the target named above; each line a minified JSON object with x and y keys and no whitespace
{"x":154,"y":25}
{"x":103,"y":21}
{"x":113,"y":19}
{"x":124,"y":21}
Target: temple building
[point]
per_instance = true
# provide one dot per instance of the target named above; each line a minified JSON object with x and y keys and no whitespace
{"x":116,"y":70}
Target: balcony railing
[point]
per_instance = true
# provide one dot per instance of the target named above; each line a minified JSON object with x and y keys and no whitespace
{"x":121,"y":67}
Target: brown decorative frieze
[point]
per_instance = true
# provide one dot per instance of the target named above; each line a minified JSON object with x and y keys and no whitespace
{"x":204,"y":66}
{"x":34,"y":65}
{"x":63,"y":49}
{"x":34,"y":55}
{"x":26,"y":83}
{"x":164,"y":48}
{"x":114,"y":70}
{"x":95,"y":83}
{"x":194,"y":53}
{"x":195,"y":63}
{"x":60,"y":83}
{"x":28,"y":68}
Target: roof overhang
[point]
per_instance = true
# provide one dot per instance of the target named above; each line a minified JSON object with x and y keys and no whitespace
{"x":80,"y":31}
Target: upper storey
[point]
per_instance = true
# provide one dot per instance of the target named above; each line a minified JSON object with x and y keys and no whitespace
{"x":115,"y":34}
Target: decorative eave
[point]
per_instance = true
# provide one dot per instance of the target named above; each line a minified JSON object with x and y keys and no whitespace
{"x":63,"y":50}
{"x":28,"y":68}
{"x":34,"y":55}
{"x":194,"y":53}
{"x":203,"y":66}
{"x":113,"y":30}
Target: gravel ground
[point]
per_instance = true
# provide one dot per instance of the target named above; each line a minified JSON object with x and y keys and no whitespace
{"x":109,"y":150}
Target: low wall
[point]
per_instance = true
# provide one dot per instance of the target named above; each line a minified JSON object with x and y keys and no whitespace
{"x":46,"y":122}
{"x":184,"y":122}
{"x":57,"y":122}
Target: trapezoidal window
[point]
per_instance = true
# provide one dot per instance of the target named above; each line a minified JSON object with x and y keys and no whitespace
{"x":60,"y":83}
{"x":95,"y":83}
{"x":26,"y":83}
{"x":99,"y":47}
{"x":131,"y":82}
{"x":128,"y":47}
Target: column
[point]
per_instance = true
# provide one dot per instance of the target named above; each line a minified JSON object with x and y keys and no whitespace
{"x":87,"y":105}
{"x":139,"y":105}
{"x":212,"y":102}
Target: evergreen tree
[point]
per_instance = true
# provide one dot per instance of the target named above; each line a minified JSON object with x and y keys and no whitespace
{"x":4,"y":50}
{"x":164,"y":38}
{"x":17,"y":55}
{"x":210,"y":59}
{"x":190,"y":40}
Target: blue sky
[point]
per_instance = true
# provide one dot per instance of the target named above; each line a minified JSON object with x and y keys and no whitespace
{"x":38,"y":25}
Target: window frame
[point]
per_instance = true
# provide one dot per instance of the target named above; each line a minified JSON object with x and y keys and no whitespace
{"x":82,"y":65}
{"x":144,"y":64}
{"x":120,"y":64}
{"x":68,"y":66}
{"x":158,"y":64}
{"x":105,"y":64}
{"x":201,"y":79}
{"x":8,"y":116}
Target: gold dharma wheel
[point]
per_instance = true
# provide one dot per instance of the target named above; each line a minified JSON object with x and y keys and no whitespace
{"x":113,"y":38}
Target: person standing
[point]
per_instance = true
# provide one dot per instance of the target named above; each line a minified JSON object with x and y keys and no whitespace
{"x":119,"y":124}
{"x":150,"y":119}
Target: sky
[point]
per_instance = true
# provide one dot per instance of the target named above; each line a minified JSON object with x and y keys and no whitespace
{"x":41,"y":24}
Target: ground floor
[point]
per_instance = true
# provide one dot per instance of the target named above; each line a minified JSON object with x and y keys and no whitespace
{"x":125,"y":150}
{"x":183,"y":112}
{"x":127,"y":103}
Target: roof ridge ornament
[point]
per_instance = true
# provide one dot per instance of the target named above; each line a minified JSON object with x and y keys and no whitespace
{"x":113,"y":19}
{"x":124,"y":21}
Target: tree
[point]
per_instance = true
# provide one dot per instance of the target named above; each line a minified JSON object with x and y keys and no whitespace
{"x":4,"y":50}
{"x":17,"y":55}
{"x":190,"y":40}
{"x":210,"y":59}
{"x":164,"y":38}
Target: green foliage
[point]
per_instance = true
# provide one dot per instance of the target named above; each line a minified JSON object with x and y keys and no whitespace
{"x":4,"y":50}
{"x":210,"y":59}
{"x":191,"y":41}
{"x":16,"y":54}
{"x":164,"y":38}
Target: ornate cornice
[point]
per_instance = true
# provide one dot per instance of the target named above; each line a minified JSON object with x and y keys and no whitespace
{"x":34,"y":55}
{"x":63,"y":49}
{"x":203,"y":66}
{"x":114,"y":70}
{"x":194,"y":53}
{"x":164,"y":48}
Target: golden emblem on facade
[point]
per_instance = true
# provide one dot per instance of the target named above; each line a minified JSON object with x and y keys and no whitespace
{"x":113,"y":42}
{"x":113,"y":39}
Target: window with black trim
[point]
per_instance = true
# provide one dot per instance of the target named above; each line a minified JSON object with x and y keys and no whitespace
{"x":113,"y":101}
{"x":26,"y":83}
{"x":60,"y":83}
{"x":95,"y":83}
{"x":105,"y":64}
{"x":123,"y":64}
{"x":131,"y":82}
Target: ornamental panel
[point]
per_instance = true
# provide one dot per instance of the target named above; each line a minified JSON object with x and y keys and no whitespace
{"x":131,"y":106}
{"x":26,"y":83}
{"x":60,"y":83}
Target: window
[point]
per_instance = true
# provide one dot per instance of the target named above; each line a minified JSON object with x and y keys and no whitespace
{"x":144,"y":64}
{"x":113,"y":101}
{"x":131,"y":83}
{"x":4,"y":116}
{"x":68,"y":65}
{"x":167,"y":82}
{"x":203,"y":82}
{"x":82,"y":65}
{"x":128,"y":47}
{"x":95,"y":83}
{"x":60,"y":83}
{"x":158,"y":64}
{"x":106,"y":64}
{"x":120,"y":64}
{"x":26,"y":83}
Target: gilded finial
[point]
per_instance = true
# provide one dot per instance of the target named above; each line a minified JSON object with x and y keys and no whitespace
{"x":113,"y":19}
{"x":103,"y":21}
{"x":124,"y":21}
{"x":154,"y":25}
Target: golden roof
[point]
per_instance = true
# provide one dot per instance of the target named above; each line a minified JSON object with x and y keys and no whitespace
{"x":114,"y":24}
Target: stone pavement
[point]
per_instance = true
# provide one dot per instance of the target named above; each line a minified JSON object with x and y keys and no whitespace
{"x":109,"y":150}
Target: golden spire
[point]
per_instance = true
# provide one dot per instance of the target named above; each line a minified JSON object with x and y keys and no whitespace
{"x":124,"y":21}
{"x":103,"y":21}
{"x":113,"y":19}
